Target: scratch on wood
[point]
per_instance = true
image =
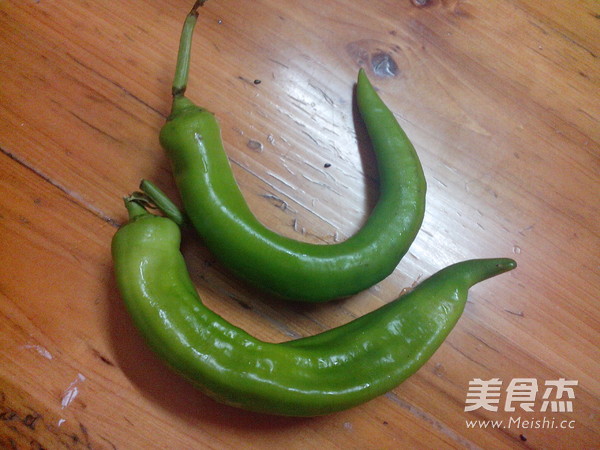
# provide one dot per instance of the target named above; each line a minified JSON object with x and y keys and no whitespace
{"x":73,"y":196}
{"x":565,"y":37}
{"x":102,"y":358}
{"x":108,"y":442}
{"x":128,"y":421}
{"x":299,"y":102}
{"x":585,"y":113}
{"x":539,"y":27}
{"x":327,"y":98}
{"x":577,"y":44}
{"x":86,"y":435}
{"x":279,"y":63}
{"x":72,"y":391}
{"x":114,"y":83}
{"x":282,"y":327}
{"x":515,"y":313}
{"x":429,"y":419}
{"x":477,"y":338}
{"x":311,"y":137}
{"x":40,"y":349}
{"x":319,"y":183}
{"x":279,"y":203}
{"x":427,"y":232}
{"x":466,"y":356}
{"x":240,"y":302}
{"x":272,"y":186}
{"x":529,"y":228}
{"x":323,"y":172}
{"x":95,"y":128}
{"x":440,"y":182}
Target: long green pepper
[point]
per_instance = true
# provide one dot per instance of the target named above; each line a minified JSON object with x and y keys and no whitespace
{"x":290,"y":268}
{"x":316,"y":375}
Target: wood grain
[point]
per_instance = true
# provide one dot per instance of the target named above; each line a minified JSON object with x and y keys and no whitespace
{"x":502,"y":101}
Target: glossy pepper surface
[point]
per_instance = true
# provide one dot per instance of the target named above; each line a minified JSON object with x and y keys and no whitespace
{"x":290,"y":268}
{"x":316,"y":375}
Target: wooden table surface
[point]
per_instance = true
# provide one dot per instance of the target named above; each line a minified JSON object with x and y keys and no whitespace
{"x":502,"y":102}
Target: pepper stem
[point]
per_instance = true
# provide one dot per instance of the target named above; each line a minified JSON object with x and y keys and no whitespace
{"x":134,"y":208}
{"x":162,"y":202}
{"x":183,"y":56}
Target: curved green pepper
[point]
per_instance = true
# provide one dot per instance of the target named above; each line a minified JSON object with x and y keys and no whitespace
{"x":289,"y":268}
{"x":316,"y":375}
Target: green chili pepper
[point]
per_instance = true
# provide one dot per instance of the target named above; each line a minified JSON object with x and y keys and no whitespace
{"x":292,"y":269}
{"x":316,"y":375}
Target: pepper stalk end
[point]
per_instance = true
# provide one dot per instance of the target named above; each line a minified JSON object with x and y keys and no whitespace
{"x":135,"y":209}
{"x":185,"y":45}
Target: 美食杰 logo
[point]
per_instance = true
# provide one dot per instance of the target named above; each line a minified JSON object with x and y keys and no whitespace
{"x":522,"y":394}
{"x":557,"y":396}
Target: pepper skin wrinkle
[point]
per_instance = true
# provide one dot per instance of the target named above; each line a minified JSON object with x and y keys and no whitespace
{"x":315,"y":375}
{"x":287,"y":267}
